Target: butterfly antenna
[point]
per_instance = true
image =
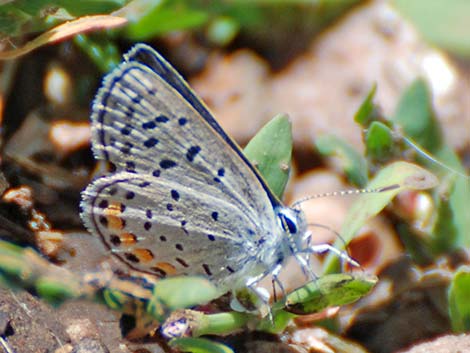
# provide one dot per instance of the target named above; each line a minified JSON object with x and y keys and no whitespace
{"x":345,"y":193}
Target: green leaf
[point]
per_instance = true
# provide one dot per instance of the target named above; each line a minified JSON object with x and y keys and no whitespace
{"x":12,"y":264}
{"x":11,"y":20}
{"x":329,"y":290}
{"x":271,"y":151}
{"x":106,"y":56}
{"x":459,"y":202}
{"x":165,"y":17}
{"x":324,"y":292}
{"x":24,"y":268}
{"x":222,"y":30}
{"x":444,"y":234}
{"x":394,"y":178}
{"x":199,"y":345}
{"x":422,"y":132}
{"x":459,"y":303}
{"x":352,"y":162}
{"x":459,"y":198}
{"x":442,"y":23}
{"x":415,"y":116}
{"x":88,"y":7}
{"x":183,"y":292}
{"x":54,"y":291}
{"x":367,"y":111}
{"x":379,"y":141}
{"x":31,"y":7}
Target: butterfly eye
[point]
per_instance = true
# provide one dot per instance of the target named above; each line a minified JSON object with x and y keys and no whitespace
{"x":288,"y":223}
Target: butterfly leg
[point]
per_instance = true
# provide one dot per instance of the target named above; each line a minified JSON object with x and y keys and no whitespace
{"x":321,"y":248}
{"x":275,"y":280}
{"x":305,"y":260}
{"x":305,"y":265}
{"x":265,"y":308}
{"x":309,"y":242}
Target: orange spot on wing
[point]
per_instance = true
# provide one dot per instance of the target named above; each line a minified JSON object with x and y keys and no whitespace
{"x":113,"y":215}
{"x":166,"y":267}
{"x":144,"y":255}
{"x":128,"y":238}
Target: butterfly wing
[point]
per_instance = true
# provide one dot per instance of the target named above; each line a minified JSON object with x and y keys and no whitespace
{"x":164,"y":228}
{"x":150,"y":125}
{"x":145,"y":55}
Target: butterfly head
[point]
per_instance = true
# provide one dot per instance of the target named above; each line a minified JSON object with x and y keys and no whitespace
{"x":294,"y":225}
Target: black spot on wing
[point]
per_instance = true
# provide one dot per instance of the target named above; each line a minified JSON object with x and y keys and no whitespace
{"x":126,"y":148}
{"x":161,"y":119}
{"x":192,"y":152}
{"x":103,"y":204}
{"x":115,"y":240}
{"x":151,"y":142}
{"x":103,"y":221}
{"x":131,"y":257}
{"x":130,"y":166}
{"x":167,"y":164}
{"x":175,"y":195}
{"x":126,"y":131}
{"x":182,"y":262}
{"x":207,"y":269}
{"x":137,"y":99}
{"x":220,"y":175}
{"x":159,"y":271}
{"x":148,"y":125}
{"x":129,"y":111}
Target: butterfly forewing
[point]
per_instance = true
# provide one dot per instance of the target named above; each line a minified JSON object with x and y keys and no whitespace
{"x":183,"y":199}
{"x":142,"y":125}
{"x":145,"y":55}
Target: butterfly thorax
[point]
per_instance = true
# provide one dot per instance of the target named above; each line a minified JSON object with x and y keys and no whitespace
{"x":271,"y":251}
{"x":290,"y":240}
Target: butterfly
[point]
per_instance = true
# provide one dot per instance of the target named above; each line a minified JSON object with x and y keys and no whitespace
{"x":183,"y":199}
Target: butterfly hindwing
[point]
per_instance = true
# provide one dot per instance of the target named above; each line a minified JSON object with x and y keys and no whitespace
{"x":162,"y":237}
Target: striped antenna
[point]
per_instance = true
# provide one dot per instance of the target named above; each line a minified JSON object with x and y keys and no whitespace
{"x":346,"y":193}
